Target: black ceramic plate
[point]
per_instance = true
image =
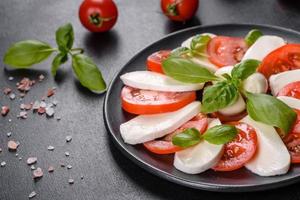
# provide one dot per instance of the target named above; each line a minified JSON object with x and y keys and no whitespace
{"x":237,"y":181}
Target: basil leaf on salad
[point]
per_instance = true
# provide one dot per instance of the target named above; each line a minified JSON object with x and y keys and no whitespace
{"x":244,"y":69}
{"x":187,"y":138}
{"x":179,"y":51}
{"x":220,"y":134}
{"x":218,"y":96}
{"x":87,"y":73}
{"x":186,"y":71}
{"x":199,"y":42}
{"x":252,"y":36}
{"x":58,"y":60}
{"x":65,"y":37}
{"x":269,"y":110}
{"x":26,"y":53}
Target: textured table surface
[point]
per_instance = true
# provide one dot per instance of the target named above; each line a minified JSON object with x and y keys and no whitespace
{"x":107,"y":173}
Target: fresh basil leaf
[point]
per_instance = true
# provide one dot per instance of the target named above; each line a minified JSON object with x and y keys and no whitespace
{"x":88,"y":73}
{"x":220,"y":134}
{"x":244,"y":69}
{"x":218,"y":96}
{"x":187,"y":138}
{"x":26,"y":53}
{"x":186,"y":71}
{"x":199,"y":42}
{"x":269,"y":110}
{"x":179,"y":51}
{"x":65,"y":37}
{"x":252,"y":36}
{"x":58,"y":60}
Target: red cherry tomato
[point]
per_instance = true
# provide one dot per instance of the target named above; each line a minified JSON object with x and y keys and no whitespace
{"x":165,"y":145}
{"x":137,"y":101}
{"x":240,"y":150}
{"x":224,"y":51}
{"x":282,"y":59}
{"x":291,"y":90}
{"x":154,"y":60}
{"x":292,"y":140}
{"x":98,"y":15}
{"x":179,"y":10}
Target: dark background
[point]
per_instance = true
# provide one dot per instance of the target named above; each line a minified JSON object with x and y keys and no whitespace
{"x":107,"y":173}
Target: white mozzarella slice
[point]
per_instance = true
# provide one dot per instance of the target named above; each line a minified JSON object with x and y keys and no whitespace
{"x":224,"y":70}
{"x":290,"y":101}
{"x":236,"y":108}
{"x":256,"y":83}
{"x":144,"y":128}
{"x":278,"y":81}
{"x":187,"y":43}
{"x":263,"y":46}
{"x":155,"y":81}
{"x":204,"y":62}
{"x":272,"y":157}
{"x":200,"y":157}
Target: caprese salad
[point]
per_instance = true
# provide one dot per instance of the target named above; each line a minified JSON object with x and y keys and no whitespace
{"x":218,"y":102}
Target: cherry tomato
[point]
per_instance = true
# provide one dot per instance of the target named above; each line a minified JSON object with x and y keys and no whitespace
{"x":291,"y":90}
{"x":165,"y":145}
{"x":224,"y":51}
{"x":141,"y":102}
{"x":154,"y":60}
{"x":229,"y":118}
{"x":240,"y":150}
{"x":292,"y":140}
{"x":282,"y":59}
{"x":179,"y":10}
{"x":98,"y":15}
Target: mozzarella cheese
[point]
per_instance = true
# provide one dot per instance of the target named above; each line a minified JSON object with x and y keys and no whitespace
{"x":256,"y":83}
{"x":278,"y":81}
{"x":144,"y":128}
{"x":155,"y":81}
{"x":290,"y":101}
{"x":236,"y":108}
{"x":200,"y":157}
{"x":272,"y":157}
{"x":224,"y":70}
{"x":263,"y":46}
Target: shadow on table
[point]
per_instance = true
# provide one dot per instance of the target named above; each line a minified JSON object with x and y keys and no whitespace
{"x":290,"y":4}
{"x":171,"y":26}
{"x":168,"y":190}
{"x":21,"y":73}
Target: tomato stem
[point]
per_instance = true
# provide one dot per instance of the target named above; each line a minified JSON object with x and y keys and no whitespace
{"x":172,"y":8}
{"x":97,"y":20}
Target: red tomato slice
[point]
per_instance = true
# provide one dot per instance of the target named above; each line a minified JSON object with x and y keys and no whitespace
{"x":229,"y":118}
{"x":240,"y":150}
{"x":291,"y":90}
{"x":224,"y":51}
{"x":154,"y":60}
{"x":165,"y":145}
{"x":282,"y":59}
{"x":141,"y":102}
{"x":292,"y":140}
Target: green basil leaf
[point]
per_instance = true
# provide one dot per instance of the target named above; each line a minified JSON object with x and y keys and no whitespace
{"x":269,"y":110}
{"x":252,"y":36}
{"x":88,"y":73}
{"x":186,"y":71}
{"x":220,"y":134}
{"x":218,"y":96}
{"x":179,"y":51}
{"x":244,"y":69}
{"x":65,"y":37}
{"x":187,"y":138}
{"x":199,"y":42}
{"x":58,"y":60}
{"x":26,"y":53}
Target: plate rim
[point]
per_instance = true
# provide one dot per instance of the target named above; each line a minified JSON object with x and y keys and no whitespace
{"x":170,"y":177}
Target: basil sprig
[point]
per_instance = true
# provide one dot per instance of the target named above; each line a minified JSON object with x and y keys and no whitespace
{"x":269,"y":110}
{"x":26,"y":53}
{"x":218,"y":135}
{"x":252,"y":36}
{"x":199,"y":42}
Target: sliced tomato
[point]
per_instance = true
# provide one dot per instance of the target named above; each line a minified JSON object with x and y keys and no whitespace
{"x":292,"y":140}
{"x":224,"y":51}
{"x":240,"y":150}
{"x":154,"y":60}
{"x":291,"y":90}
{"x":165,"y":145}
{"x":229,"y":118}
{"x":137,"y":101}
{"x":282,"y":59}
